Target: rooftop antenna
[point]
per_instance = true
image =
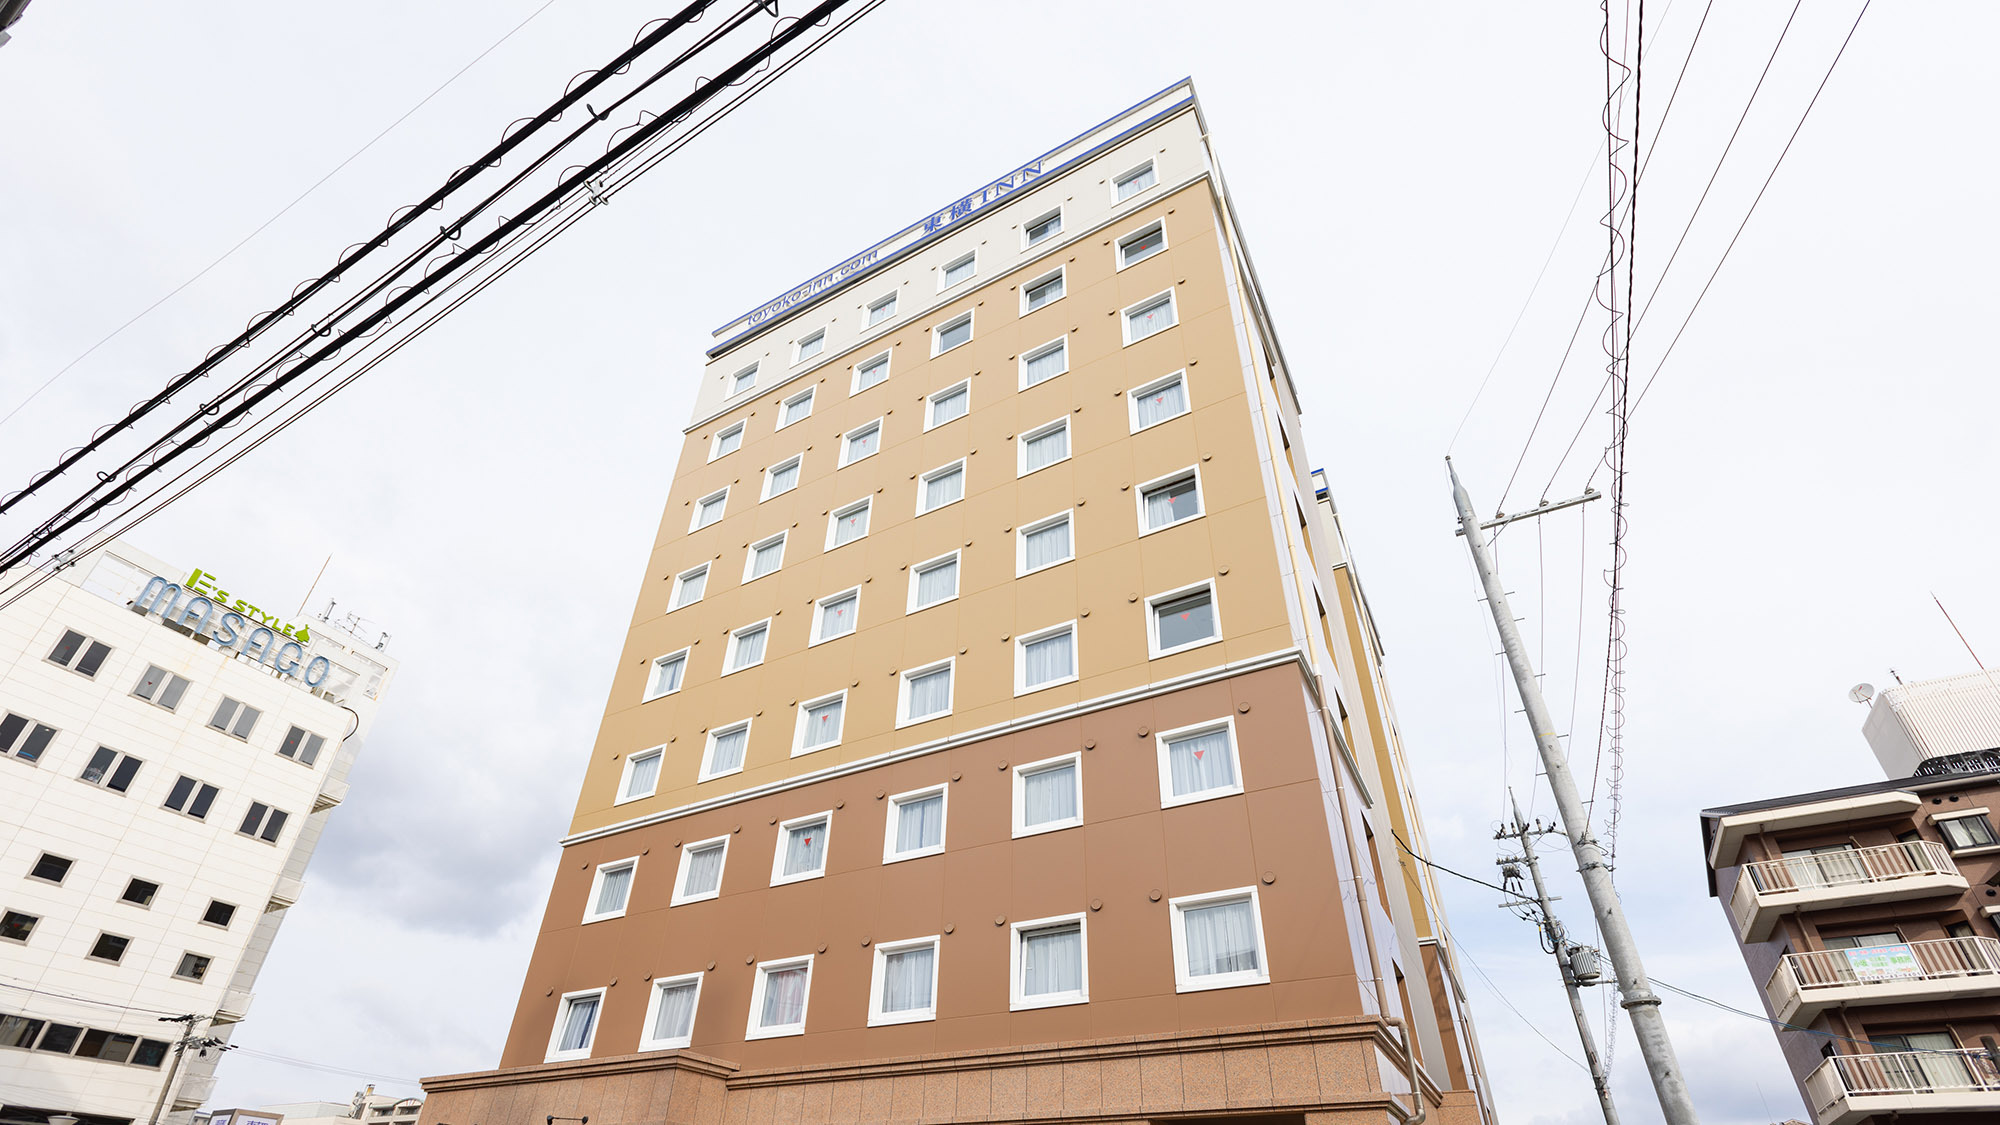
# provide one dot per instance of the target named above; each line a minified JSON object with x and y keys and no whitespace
{"x":1955,"y":629}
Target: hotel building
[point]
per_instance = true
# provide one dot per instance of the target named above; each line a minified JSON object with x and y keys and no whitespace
{"x":1001,"y":731}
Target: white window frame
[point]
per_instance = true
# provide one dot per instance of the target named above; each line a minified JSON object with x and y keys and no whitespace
{"x":715,"y":449}
{"x":1118,"y":247}
{"x":1023,"y":640}
{"x":764,"y":968}
{"x":795,"y":461}
{"x":750,"y":556}
{"x":1153,"y":649}
{"x":701,"y":505}
{"x":737,"y":377}
{"x":778,"y":876}
{"x":674,"y":599}
{"x":799,"y":732}
{"x":924,"y":486}
{"x":868,"y":317}
{"x":903,"y":692}
{"x":1015,"y":1000}
{"x":1125,"y":316}
{"x":785,"y":405}
{"x":1038,"y":351}
{"x":681,"y":897}
{"x":1055,"y":213}
{"x":879,"y":1018}
{"x":889,"y":852}
{"x":1186,"y":983}
{"x":729,"y":649}
{"x":656,"y":987}
{"x":707,"y":772}
{"x":590,"y":914}
{"x":915,"y":570}
{"x":799,"y":346}
{"x":625,"y":796}
{"x":847,"y":442}
{"x":555,"y":1054}
{"x":1060,"y":273}
{"x":938,"y":330}
{"x":930,"y":403}
{"x":1226,"y":724}
{"x":1133,"y":396}
{"x":834,"y":517}
{"x":970,"y":257}
{"x":1021,"y":568}
{"x":888,"y":359}
{"x":1022,"y":772}
{"x":1021,"y":468}
{"x":818,"y":637}
{"x":1139,"y":499}
{"x":1134,"y":172}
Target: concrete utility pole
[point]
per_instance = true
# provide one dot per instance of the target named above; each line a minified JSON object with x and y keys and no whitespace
{"x":1641,"y":1004}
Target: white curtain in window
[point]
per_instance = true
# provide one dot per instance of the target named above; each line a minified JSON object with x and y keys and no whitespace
{"x":805,"y":848}
{"x":728,"y":443}
{"x":944,"y":488}
{"x":1185,"y":620}
{"x":799,"y":407}
{"x":1049,"y":795}
{"x":675,"y":1019}
{"x":1048,"y":364}
{"x":728,"y":750}
{"x":768,"y":558}
{"x":959,"y":271}
{"x":692,"y":586}
{"x":645,"y":775}
{"x":836,"y":618}
{"x":937,"y":583}
{"x":784,"y":998}
{"x":920,"y":823}
{"x":930,"y":693}
{"x":881,"y":310}
{"x":704,"y":870}
{"x":1156,"y":316}
{"x":862,"y":444}
{"x":1046,"y":545}
{"x":1050,"y":658}
{"x":949,"y":406}
{"x":1046,"y":449}
{"x":823,"y":722}
{"x":785,"y":478}
{"x":1137,"y":182}
{"x":1045,"y":292}
{"x":1052,"y":960}
{"x":1221,"y":938}
{"x":1143,"y":247}
{"x":872,"y":373}
{"x":711,"y":510}
{"x":611,"y":893}
{"x":578,"y":1022}
{"x":1200,"y":762}
{"x":1161,"y":403}
{"x":954,"y":335}
{"x":750,"y":646}
{"x":667,"y":674}
{"x":851,"y":524}
{"x":906,"y":979}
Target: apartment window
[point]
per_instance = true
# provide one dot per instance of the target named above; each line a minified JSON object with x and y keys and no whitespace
{"x":1158,"y":401}
{"x":219,"y":913}
{"x":24,"y":738}
{"x":1048,"y":963}
{"x":1182,"y":619}
{"x":140,"y":892}
{"x":810,"y":346}
{"x":948,"y":405}
{"x":1047,"y":226}
{"x":19,"y":1031}
{"x":79,"y":653}
{"x":700,"y":877}
{"x":951,"y":334}
{"x":235,"y":718}
{"x":724,"y":753}
{"x":193,"y":966}
{"x":709,"y":510}
{"x":915,"y":825}
{"x":837,"y":615}
{"x":797,"y":408}
{"x":160,"y":687}
{"x":111,"y":769}
{"x":151,"y":1053}
{"x":925,"y":694}
{"x":845,"y":525}
{"x":109,"y":947}
{"x":670,"y":1013}
{"x":688,"y":587}
{"x":881,"y":309}
{"x":610,"y":890}
{"x":801,"y":849}
{"x":1045,"y":658}
{"x":1048,"y":795}
{"x":863,"y":441}
{"x":1197,"y":763}
{"x":820,"y":723}
{"x":746,"y":647}
{"x":1135,"y":181}
{"x":61,"y":1038}
{"x":1218,"y":941}
{"x":727,"y":441}
{"x":667,"y":673}
{"x":1150,"y":317}
{"x":191,"y":797}
{"x":903,"y":987}
{"x":959,"y":270}
{"x":263,"y":822}
{"x":109,"y":1046}
{"x":743,"y":380}
{"x":302,"y":746}
{"x":778,"y":999}
{"x":1169,"y":501}
{"x":871,"y":373}
{"x":576,"y":1025}
{"x":781,"y":478}
{"x":933,"y":582}
{"x":764,"y":557}
{"x":1969,"y":830}
{"x":940,"y":487}
{"x":1141,"y":244}
{"x":16,"y":926}
{"x":51,"y":869}
{"x":1041,"y":291}
{"x":1044,"y":543}
{"x":641,"y":777}
{"x":1044,"y":363}
{"x":1043,"y":446}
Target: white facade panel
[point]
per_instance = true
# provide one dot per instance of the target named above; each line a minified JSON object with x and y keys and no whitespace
{"x":1949,"y":715}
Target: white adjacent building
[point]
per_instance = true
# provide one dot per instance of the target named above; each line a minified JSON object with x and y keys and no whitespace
{"x":171,"y":753}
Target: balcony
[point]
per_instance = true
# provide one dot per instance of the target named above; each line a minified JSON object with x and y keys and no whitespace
{"x":285,"y":894}
{"x":234,"y":1007}
{"x":194,"y":1090}
{"x":1846,"y":1089}
{"x":1768,"y":890}
{"x":1916,"y":972}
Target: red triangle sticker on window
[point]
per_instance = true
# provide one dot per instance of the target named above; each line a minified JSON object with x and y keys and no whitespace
{"x":1198,"y":754}
{"x":809,"y":841}
{"x":1184,"y":617}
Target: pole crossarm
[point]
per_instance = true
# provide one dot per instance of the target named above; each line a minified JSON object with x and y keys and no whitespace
{"x":1541,"y":509}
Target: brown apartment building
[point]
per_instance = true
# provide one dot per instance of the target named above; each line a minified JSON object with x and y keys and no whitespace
{"x":1001,"y":733}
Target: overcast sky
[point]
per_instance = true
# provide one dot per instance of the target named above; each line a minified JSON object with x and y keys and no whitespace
{"x":1813,"y":463}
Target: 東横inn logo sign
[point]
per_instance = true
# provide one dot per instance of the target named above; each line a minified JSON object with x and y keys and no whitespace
{"x":209,"y":611}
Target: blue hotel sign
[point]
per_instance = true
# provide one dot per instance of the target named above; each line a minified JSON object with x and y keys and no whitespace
{"x":231,"y":629}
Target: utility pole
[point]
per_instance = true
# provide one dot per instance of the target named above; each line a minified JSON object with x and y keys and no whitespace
{"x":1577,"y":963}
{"x":1641,"y":1003}
{"x":188,"y":1039}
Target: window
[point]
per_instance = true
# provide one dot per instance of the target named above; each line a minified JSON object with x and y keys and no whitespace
{"x":940,"y":487}
{"x":642,"y":774}
{"x":1182,"y":619}
{"x":109,"y":947}
{"x":1041,"y":291}
{"x":16,"y":926}
{"x":1035,"y":230}
{"x":1045,"y":659}
{"x":1048,"y":963}
{"x":110,"y":1046}
{"x":820,"y":723}
{"x":1135,"y":181}
{"x":219,"y":913}
{"x":727,"y":440}
{"x":610,"y":890}
{"x":746,"y":647}
{"x":1150,"y":317}
{"x":933,"y":582}
{"x":845,"y":525}
{"x":1218,"y":941}
{"x":862,"y":441}
{"x":160,"y":687}
{"x":192,"y":797}
{"x":797,"y":408}
{"x":1043,"y":446}
{"x":235,"y":718}
{"x":193,"y":966}
{"x":140,"y":892}
{"x":810,"y":346}
{"x":688,"y":587}
{"x":836,"y":615}
{"x":1141,"y":244}
{"x":881,"y":309}
{"x":871,"y":373}
{"x":925,"y":694}
{"x":61,"y":1038}
{"x":951,"y":334}
{"x":700,"y":877}
{"x":903,"y":988}
{"x":1158,"y":401}
{"x":50,"y":869}
{"x":778,"y":999}
{"x":743,"y":380}
{"x":576,"y":1025}
{"x":1169,"y":501}
{"x":1044,"y":543}
{"x":724,"y":754}
{"x":1971,"y":830}
{"x":781,"y":478}
{"x":263,"y":822}
{"x":958,"y":270}
{"x":1048,"y":795}
{"x":1197,"y":763}
{"x":948,"y":405}
{"x":14,"y":727}
{"x":111,"y":769}
{"x":764,"y":557}
{"x":151,"y":1053}
{"x":79,"y":653}
{"x":670,"y":1013}
{"x":709,"y":509}
{"x":915,"y":825}
{"x":302,"y":746}
{"x":1044,"y":363}
{"x":667,"y":674}
{"x":801,"y":849}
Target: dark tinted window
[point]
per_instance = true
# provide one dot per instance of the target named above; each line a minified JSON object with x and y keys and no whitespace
{"x":16,"y":926}
{"x":110,"y":947}
{"x":219,"y":913}
{"x":139,"y":892}
{"x":151,"y":1052}
{"x":93,"y":658}
{"x":66,"y":649}
{"x":60,"y":1038}
{"x":54,"y":868}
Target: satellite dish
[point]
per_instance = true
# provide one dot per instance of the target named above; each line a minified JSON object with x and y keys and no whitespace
{"x":1861,"y":693}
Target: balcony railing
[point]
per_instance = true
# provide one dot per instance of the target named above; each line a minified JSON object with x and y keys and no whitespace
{"x":1891,"y":871}
{"x":1807,"y":983}
{"x":1849,"y":1088}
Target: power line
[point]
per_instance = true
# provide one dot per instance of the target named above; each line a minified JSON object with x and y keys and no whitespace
{"x":84,"y":999}
{"x":325,"y":1068}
